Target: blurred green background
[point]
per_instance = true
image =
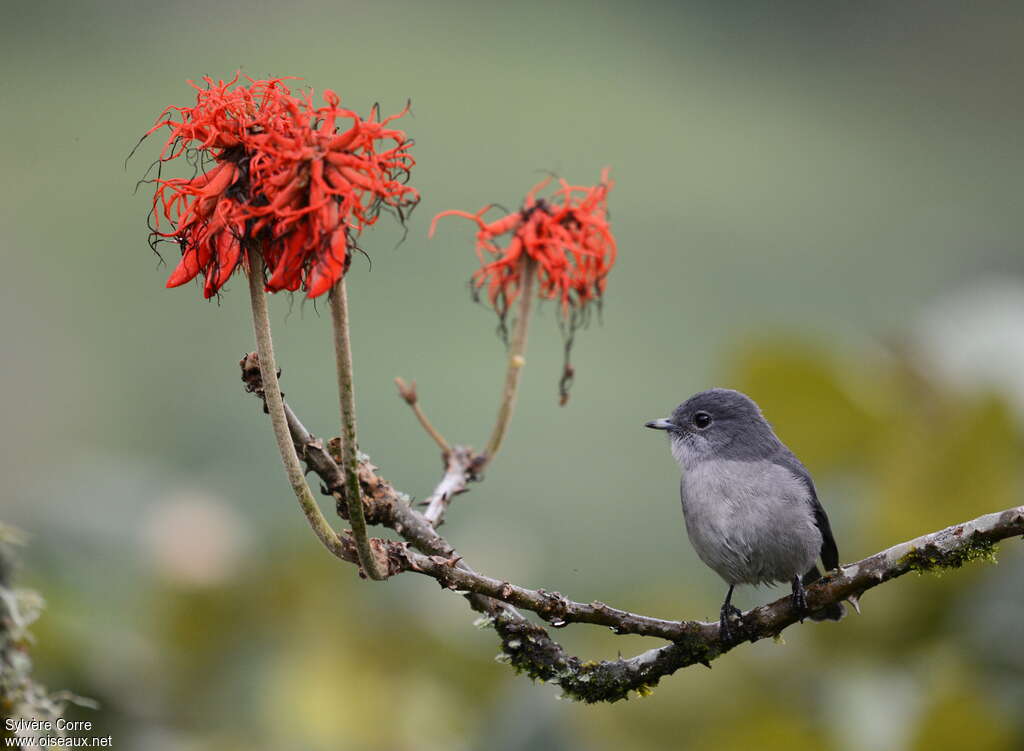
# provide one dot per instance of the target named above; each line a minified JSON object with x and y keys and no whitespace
{"x":818,"y":203}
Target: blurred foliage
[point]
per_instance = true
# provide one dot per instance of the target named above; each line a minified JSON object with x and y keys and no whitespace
{"x":22,"y":698}
{"x":811,"y":203}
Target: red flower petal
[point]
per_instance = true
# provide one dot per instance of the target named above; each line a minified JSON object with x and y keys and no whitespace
{"x":566,"y":234}
{"x":287,"y":178}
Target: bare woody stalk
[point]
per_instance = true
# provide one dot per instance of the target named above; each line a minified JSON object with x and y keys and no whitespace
{"x":275,"y":406}
{"x":516,"y":359}
{"x":410,"y":397}
{"x":349,"y":446}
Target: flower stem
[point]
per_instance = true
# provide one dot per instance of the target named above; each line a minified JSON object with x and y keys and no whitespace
{"x":516,"y":361}
{"x":349,"y":446}
{"x":275,"y":406}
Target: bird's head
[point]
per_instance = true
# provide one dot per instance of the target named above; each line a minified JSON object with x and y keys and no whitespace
{"x":717,"y":424}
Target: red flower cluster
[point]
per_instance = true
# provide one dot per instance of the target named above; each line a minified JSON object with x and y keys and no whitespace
{"x":567,"y":237}
{"x":286,"y":181}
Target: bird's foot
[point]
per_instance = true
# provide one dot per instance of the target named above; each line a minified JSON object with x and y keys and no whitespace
{"x":799,"y":599}
{"x":727,"y":632}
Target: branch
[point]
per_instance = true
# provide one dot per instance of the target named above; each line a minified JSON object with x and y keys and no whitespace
{"x":529,"y":648}
{"x":461,"y":467}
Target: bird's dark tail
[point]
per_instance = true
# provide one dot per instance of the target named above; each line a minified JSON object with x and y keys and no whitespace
{"x":833,"y":612}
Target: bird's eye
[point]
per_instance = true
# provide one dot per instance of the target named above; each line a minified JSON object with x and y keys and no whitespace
{"x":701,"y":420}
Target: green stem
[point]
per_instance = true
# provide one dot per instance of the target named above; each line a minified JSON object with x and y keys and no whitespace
{"x":349,"y":446}
{"x":275,"y":406}
{"x":516,"y":361}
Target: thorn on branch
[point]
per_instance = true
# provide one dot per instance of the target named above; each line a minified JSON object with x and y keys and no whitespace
{"x":443,"y":570}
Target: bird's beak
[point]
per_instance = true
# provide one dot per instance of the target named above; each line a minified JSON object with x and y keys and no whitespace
{"x":660,"y":424}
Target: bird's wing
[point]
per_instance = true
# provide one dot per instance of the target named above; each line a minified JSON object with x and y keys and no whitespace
{"x":829,"y":551}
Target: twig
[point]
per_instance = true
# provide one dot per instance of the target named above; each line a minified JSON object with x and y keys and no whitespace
{"x":461,"y":466}
{"x":349,"y":446}
{"x":530,"y":648}
{"x":516,"y":361}
{"x":274,"y":403}
{"x":409,"y":395}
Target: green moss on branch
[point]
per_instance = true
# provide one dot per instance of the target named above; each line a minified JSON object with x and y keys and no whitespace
{"x":934,"y":559}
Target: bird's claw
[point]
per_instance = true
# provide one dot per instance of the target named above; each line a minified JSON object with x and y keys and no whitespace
{"x":725,"y":629}
{"x":799,"y":599}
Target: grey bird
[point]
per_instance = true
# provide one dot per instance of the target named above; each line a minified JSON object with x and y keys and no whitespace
{"x":751,"y":510}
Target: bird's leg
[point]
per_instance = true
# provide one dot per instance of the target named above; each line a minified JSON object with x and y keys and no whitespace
{"x":799,"y":598}
{"x":728,"y":611}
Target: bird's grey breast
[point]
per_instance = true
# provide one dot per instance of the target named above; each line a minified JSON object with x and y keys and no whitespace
{"x":750,"y":521}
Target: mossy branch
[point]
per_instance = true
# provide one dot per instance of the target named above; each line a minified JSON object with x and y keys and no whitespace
{"x":529,"y":648}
